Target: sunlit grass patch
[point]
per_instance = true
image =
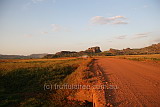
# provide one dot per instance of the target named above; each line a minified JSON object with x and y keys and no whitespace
{"x":151,"y":57}
{"x":22,"y":82}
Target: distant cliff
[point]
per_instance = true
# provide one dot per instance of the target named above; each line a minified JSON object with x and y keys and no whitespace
{"x":94,"y":49}
{"x":90,"y":51}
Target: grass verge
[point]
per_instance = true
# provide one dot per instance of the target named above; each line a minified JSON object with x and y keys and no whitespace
{"x":22,"y":82}
{"x":152,"y":57}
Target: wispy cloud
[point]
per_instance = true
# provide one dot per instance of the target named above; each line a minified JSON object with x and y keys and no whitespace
{"x":44,"y":32}
{"x":157,"y":40}
{"x":35,"y":1}
{"x":142,"y":7}
{"x":26,"y":6}
{"x":145,"y":6}
{"x":110,"y":41}
{"x":141,"y":35}
{"x":121,"y":37}
{"x":87,"y":29}
{"x":58,"y":28}
{"x":120,"y":22}
{"x":110,"y":20}
{"x":30,"y":2}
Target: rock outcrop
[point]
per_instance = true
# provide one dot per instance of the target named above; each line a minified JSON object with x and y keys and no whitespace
{"x":90,"y":51}
{"x":94,"y":49}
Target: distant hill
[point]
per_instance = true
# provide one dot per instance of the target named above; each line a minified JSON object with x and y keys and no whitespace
{"x":93,"y":51}
{"x":153,"y":49}
{"x":37,"y":55}
{"x":13,"y":57}
{"x":22,"y":56}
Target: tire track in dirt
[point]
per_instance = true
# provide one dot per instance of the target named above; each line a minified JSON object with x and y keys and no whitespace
{"x":137,"y":82}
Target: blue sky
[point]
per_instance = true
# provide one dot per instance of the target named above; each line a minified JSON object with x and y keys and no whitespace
{"x":48,"y":26}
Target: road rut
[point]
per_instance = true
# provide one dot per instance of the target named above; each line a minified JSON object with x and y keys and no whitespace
{"x":138,"y":82}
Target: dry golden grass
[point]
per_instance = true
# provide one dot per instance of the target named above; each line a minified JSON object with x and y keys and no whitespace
{"x":151,"y":57}
{"x":21,"y":77}
{"x":11,"y":64}
{"x":22,"y":80}
{"x":80,"y":76}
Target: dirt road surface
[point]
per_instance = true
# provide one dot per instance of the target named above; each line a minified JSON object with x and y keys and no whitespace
{"x":138,"y":82}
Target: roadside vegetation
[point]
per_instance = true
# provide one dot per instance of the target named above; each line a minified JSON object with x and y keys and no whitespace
{"x":151,"y":57}
{"x":22,"y":81}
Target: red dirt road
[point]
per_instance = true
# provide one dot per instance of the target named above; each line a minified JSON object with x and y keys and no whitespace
{"x":138,"y":82}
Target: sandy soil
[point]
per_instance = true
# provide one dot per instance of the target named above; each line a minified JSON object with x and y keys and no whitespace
{"x":138,"y":82}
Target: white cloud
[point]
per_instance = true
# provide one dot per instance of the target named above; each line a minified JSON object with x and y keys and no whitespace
{"x":111,"y":20}
{"x":58,"y":28}
{"x":117,"y":17}
{"x":99,"y":20}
